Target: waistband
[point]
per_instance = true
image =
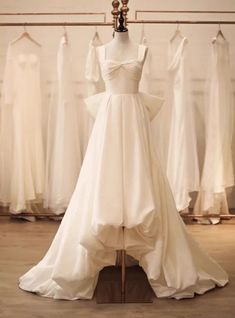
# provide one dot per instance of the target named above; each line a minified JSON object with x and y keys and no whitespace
{"x":151,"y":102}
{"x":109,"y":93}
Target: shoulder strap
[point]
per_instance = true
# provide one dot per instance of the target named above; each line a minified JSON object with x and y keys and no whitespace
{"x":101,"y":52}
{"x":142,"y":52}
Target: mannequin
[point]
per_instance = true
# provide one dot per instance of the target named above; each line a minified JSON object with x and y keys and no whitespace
{"x":121,"y":47}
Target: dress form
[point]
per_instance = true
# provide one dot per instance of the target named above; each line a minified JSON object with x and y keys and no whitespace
{"x":121,"y":47}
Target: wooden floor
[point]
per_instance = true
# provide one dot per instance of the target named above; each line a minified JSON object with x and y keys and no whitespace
{"x":22,"y":244}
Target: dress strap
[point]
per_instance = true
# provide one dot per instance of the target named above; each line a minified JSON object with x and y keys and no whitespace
{"x":101,"y":52}
{"x":142,"y":52}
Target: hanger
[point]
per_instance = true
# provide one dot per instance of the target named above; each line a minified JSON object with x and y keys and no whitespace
{"x":65,"y":35}
{"x":96,"y":41}
{"x":96,"y":35}
{"x":177,"y":33}
{"x":25,"y":34}
{"x":219,"y":33}
{"x":143,"y":39}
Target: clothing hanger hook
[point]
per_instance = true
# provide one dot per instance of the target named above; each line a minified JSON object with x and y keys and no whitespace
{"x":25,"y":27}
{"x":65,"y":32}
{"x":142,"y":37}
{"x":178,"y":26}
{"x":143,"y":27}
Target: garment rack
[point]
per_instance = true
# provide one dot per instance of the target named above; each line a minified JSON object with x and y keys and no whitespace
{"x":105,"y":23}
{"x":110,"y":23}
{"x":103,"y":14}
{"x":185,"y":21}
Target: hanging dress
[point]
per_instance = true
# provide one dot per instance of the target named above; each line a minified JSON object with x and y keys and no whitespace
{"x":63,"y":146}
{"x":93,"y":86}
{"x":92,"y":70}
{"x":217,"y":174}
{"x":146,"y":79}
{"x":182,"y":158}
{"x":22,"y":156}
{"x":121,"y":184}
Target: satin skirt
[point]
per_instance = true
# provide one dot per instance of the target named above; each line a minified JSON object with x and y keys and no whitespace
{"x":122,"y":184}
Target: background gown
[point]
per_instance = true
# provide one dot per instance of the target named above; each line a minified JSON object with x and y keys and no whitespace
{"x":64,"y":155}
{"x":218,"y":174}
{"x":175,"y":128}
{"x":22,"y":169}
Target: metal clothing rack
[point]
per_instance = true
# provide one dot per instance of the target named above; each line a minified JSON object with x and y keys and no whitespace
{"x":53,"y":13}
{"x":105,"y":23}
{"x":183,"y":21}
{"x":77,"y":24}
{"x":56,"y":23}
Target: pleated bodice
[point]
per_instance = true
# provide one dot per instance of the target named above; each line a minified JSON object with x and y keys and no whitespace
{"x":121,"y":77}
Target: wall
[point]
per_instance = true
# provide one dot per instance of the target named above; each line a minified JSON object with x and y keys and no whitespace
{"x":158,"y":36}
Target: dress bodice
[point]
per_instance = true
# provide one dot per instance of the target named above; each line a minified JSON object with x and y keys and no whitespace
{"x":121,"y":77}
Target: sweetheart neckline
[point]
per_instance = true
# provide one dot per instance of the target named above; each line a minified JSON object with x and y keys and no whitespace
{"x":123,"y":62}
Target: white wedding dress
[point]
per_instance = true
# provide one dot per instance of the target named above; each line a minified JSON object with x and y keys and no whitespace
{"x":218,"y":174}
{"x":121,"y":184}
{"x":22,"y":155}
{"x":92,"y":70}
{"x":64,"y":155}
{"x":176,"y":129}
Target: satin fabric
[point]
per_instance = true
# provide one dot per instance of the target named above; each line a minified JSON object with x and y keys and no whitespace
{"x":218,"y":172}
{"x":175,"y":128}
{"x":22,"y":169}
{"x":64,"y":153}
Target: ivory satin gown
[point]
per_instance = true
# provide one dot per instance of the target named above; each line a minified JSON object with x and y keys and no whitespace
{"x":22,"y":167}
{"x":174,"y":128}
{"x":218,"y":171}
{"x":64,"y":154}
{"x":121,"y":183}
{"x":182,"y":161}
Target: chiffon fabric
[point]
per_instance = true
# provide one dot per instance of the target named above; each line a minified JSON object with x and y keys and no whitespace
{"x":95,"y":84}
{"x":176,"y":132}
{"x":64,"y":155}
{"x":146,"y":79}
{"x":22,"y":169}
{"x":218,"y":171}
{"x":122,"y":184}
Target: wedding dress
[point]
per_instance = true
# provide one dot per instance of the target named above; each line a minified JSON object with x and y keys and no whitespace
{"x":94,"y":85}
{"x":92,"y":70}
{"x":218,"y":172}
{"x":121,"y":184}
{"x":63,"y":145}
{"x":22,"y":156}
{"x":177,"y":138}
{"x":146,"y":79}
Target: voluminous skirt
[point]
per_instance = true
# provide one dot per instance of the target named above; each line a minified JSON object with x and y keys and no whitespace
{"x":121,"y":184}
